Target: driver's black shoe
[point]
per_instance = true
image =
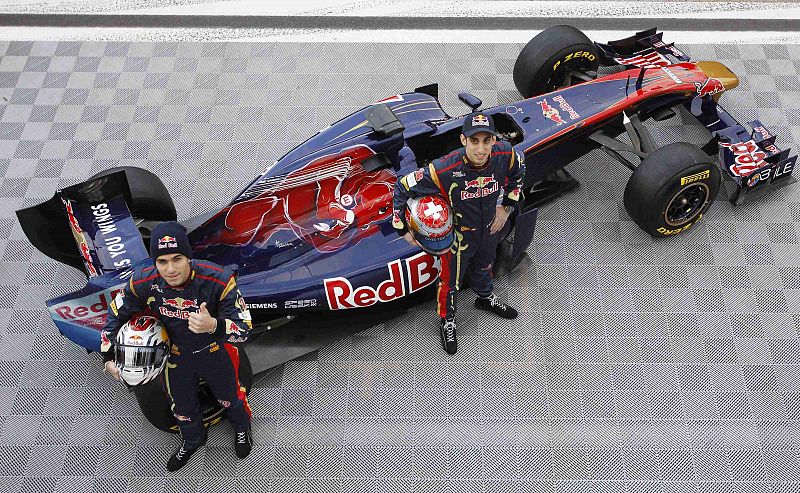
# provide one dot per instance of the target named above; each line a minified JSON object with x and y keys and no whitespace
{"x":494,"y":305}
{"x":447,"y":329}
{"x":181,"y":456}
{"x":243,"y":444}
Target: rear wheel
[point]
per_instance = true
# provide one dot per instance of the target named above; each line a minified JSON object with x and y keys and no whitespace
{"x":671,"y":189}
{"x":547,"y":61}
{"x":157,"y":408}
{"x":150,"y":197}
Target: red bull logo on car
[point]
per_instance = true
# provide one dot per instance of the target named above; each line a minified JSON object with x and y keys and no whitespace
{"x":90,"y":311}
{"x":180,"y":306}
{"x":482,"y":186}
{"x":550,"y":112}
{"x":167,"y":241}
{"x":564,"y":105}
{"x":747,"y":157}
{"x":711,"y":86}
{"x":421,"y":270}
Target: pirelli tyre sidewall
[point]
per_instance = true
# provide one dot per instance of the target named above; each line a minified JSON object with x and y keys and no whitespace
{"x":542,"y":63}
{"x":671,"y":190}
{"x":156,"y":407}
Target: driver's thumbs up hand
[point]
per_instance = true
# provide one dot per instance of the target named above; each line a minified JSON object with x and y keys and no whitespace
{"x":202,"y":322}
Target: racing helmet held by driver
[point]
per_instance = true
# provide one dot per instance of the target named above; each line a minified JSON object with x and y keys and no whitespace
{"x":430,"y":220}
{"x":140,"y":351}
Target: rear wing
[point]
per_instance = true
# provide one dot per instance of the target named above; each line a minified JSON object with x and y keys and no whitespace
{"x":89,"y":227}
{"x":749,"y":158}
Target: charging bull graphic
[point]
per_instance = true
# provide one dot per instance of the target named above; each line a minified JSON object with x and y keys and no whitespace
{"x":329,"y":203}
{"x":551,"y":113}
{"x":710,"y":86}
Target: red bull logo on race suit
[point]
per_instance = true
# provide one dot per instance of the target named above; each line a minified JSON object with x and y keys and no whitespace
{"x":180,"y":305}
{"x":482,"y":186}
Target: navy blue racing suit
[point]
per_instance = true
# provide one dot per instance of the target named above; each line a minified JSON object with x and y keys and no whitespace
{"x":192,"y":356}
{"x":473,"y":195}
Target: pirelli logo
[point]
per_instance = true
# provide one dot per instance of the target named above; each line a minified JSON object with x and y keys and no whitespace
{"x":685,"y":180}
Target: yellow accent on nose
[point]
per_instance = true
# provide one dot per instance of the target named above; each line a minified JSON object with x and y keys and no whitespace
{"x":721,"y":73}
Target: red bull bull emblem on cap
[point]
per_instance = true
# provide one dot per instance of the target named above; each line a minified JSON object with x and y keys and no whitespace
{"x":167,"y":242}
{"x":480,"y":120}
{"x":550,"y":112}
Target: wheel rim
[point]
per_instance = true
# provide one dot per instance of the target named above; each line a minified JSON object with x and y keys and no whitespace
{"x":561,"y":78}
{"x":687,"y":204}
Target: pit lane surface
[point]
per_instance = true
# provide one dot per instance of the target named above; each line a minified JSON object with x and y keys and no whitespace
{"x":636,"y":364}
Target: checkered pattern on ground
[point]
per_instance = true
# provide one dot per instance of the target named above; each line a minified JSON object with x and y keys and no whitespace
{"x":636,"y":364}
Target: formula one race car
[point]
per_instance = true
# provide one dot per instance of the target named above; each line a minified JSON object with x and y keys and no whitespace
{"x":313,"y":232}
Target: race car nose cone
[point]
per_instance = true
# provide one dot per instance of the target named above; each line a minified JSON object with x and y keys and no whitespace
{"x":720,"y":72}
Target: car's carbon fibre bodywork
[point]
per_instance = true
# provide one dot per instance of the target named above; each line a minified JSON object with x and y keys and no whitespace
{"x":313,"y":231}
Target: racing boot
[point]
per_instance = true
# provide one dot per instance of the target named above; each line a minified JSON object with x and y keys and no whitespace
{"x":181,"y":456}
{"x":243,"y":444}
{"x":447,"y":329}
{"x":493,"y":304}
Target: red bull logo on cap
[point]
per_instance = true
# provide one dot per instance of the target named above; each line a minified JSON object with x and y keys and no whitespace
{"x":167,"y":241}
{"x":135,"y":340}
{"x":711,"y":86}
{"x":483,"y":186}
{"x":550,"y":112}
{"x":480,"y":120}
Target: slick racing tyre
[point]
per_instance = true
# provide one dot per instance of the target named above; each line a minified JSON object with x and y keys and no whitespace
{"x":671,"y":189}
{"x":157,"y":408}
{"x":150,"y":198}
{"x":544,"y":64}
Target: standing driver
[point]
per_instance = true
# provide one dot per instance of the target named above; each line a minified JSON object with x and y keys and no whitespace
{"x":203,"y":312}
{"x":472,"y":180}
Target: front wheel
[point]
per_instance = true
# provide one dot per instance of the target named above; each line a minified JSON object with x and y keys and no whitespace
{"x":671,"y":189}
{"x":157,"y":408}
